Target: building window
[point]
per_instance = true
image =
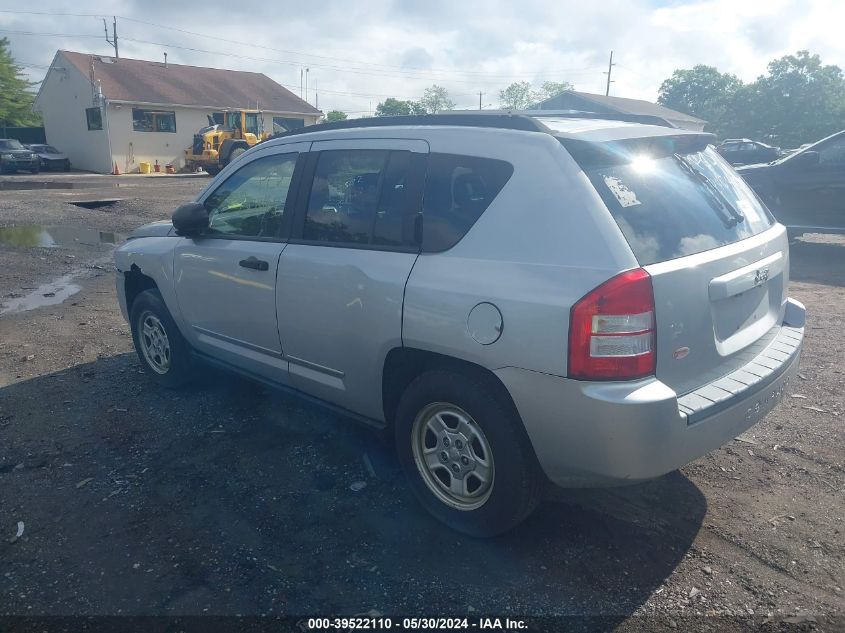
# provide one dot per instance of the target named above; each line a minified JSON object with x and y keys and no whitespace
{"x":95,"y":118}
{"x":153,"y":120}
{"x":283,"y":124}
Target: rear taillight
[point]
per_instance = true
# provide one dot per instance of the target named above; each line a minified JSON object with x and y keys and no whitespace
{"x":611,"y":330}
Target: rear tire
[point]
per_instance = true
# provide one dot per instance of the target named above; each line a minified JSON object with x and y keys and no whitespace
{"x":449,"y":422}
{"x":163,"y":351}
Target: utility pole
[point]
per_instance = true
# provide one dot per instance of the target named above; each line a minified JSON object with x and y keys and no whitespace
{"x":301,"y":74}
{"x":479,"y":100}
{"x":113,"y":40}
{"x":306,"y":84}
{"x":610,"y":66}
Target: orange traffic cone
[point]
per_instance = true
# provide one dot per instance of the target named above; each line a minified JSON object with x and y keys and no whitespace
{"x":116,"y":171}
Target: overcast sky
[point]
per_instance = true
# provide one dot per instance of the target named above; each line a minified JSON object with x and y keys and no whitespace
{"x":360,"y":52}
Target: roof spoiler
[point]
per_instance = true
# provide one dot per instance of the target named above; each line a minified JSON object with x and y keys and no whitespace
{"x":646,"y":119}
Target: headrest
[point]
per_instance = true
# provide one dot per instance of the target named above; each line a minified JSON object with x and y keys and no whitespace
{"x":468,"y":190}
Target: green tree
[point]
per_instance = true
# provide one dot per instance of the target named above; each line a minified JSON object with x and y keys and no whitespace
{"x":435,"y":99}
{"x":418,"y":108}
{"x":394,"y":107}
{"x":799,"y":101}
{"x":703,"y":92}
{"x":335,"y":115}
{"x":549,"y":89}
{"x":521,"y":95}
{"x":15,"y":95}
{"x":517,"y":96}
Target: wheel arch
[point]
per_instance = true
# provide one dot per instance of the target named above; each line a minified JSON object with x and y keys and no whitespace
{"x":134,"y":283}
{"x":402,"y":365}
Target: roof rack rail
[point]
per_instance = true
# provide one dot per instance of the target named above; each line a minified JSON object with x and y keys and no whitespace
{"x":501,"y":120}
{"x":522,"y":120}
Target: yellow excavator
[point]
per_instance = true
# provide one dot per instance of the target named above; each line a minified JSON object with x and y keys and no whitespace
{"x":219,"y":143}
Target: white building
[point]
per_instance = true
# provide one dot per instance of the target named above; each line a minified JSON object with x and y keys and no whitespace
{"x":103,"y":111}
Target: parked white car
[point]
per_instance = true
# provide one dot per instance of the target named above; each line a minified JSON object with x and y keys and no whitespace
{"x":518,"y":299}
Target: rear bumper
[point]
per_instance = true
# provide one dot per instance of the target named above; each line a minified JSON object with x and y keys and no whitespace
{"x":603,"y":434}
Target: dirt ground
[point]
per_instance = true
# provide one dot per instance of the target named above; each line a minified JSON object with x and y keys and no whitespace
{"x":231,"y":499}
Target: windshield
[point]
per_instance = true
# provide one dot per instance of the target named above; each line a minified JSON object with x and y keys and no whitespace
{"x":671,"y":201}
{"x":11,"y":144}
{"x":46,"y":149}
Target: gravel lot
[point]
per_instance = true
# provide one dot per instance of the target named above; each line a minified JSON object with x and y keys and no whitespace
{"x":230,"y":499}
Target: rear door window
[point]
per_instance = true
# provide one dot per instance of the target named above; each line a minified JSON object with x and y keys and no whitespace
{"x":458,"y":190}
{"x":669,"y":197}
{"x":365,"y":197}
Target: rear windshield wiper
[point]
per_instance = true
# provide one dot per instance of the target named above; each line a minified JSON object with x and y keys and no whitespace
{"x":727,"y":213}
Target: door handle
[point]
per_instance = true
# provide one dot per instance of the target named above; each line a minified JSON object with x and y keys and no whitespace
{"x":254,"y":263}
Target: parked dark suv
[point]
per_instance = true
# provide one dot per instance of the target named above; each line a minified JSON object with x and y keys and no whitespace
{"x":743,"y":151}
{"x":14,"y":157}
{"x":805,"y":190}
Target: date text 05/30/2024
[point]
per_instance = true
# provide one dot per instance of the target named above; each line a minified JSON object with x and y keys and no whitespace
{"x":408,"y":624}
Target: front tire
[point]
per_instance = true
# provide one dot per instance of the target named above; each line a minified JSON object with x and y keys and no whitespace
{"x":233,"y":155}
{"x":159,"y":344}
{"x":462,"y":445}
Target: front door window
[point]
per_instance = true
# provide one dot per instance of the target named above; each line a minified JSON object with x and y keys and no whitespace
{"x":251,"y":202}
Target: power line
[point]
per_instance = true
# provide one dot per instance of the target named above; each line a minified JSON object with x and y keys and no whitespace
{"x":75,"y":15}
{"x":382,"y":74}
{"x":37,"y":34}
{"x":383,"y":68}
{"x":402,"y":69}
{"x":354,"y":71}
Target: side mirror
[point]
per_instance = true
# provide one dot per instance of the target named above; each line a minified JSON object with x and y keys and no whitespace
{"x":190,"y":219}
{"x":806,"y":159}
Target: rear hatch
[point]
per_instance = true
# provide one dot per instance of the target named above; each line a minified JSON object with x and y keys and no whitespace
{"x":719,"y":263}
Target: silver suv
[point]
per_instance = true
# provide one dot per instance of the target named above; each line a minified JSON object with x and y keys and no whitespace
{"x":517,"y":299}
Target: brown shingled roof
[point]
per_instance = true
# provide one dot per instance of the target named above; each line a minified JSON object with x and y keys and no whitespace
{"x":139,"y":81}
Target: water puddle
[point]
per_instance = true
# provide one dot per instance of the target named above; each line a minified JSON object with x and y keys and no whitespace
{"x":51,"y":293}
{"x":27,"y":185}
{"x":38,"y":236}
{"x":95,"y":204}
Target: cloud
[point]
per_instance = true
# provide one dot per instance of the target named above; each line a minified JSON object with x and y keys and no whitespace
{"x":359,"y":53}
{"x":416,"y":58}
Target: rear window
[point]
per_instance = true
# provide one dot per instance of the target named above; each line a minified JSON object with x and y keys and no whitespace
{"x":671,"y":196}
